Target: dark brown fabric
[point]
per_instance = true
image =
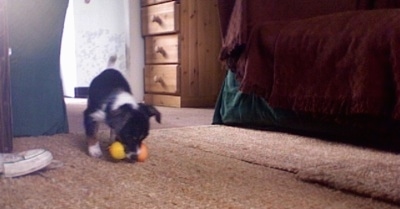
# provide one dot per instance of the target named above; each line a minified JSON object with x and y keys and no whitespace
{"x":240,"y":16}
{"x":255,"y":67}
{"x":346,"y":63}
{"x":225,"y":10}
{"x":380,"y":4}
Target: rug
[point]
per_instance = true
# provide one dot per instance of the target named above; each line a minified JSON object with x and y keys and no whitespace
{"x":364,"y":171}
{"x":208,"y":167}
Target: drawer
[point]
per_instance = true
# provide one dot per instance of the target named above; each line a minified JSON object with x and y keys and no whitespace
{"x":161,"y":79}
{"x":162,"y":49}
{"x":151,"y":2}
{"x":160,"y":18}
{"x":163,"y":100}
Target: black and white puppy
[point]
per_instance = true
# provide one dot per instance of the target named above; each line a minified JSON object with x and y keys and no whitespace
{"x":110,"y":101}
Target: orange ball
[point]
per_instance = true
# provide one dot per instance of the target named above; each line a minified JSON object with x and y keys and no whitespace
{"x":143,"y":153}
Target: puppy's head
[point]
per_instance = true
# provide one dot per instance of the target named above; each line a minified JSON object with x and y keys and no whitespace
{"x":132,"y":126}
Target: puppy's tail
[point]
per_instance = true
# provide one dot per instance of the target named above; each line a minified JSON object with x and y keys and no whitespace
{"x":111,"y":61}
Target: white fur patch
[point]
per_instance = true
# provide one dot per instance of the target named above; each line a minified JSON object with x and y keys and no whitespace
{"x":94,"y":150}
{"x":99,"y":116}
{"x":137,"y":152}
{"x":130,"y":155}
{"x":124,"y":98}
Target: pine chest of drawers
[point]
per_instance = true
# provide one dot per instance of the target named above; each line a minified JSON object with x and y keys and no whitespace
{"x":182,"y":43}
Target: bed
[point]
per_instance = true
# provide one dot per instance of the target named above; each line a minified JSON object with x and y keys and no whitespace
{"x":316,"y":67}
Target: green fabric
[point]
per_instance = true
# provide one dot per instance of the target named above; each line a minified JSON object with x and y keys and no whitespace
{"x":35,"y":29}
{"x":234,"y":107}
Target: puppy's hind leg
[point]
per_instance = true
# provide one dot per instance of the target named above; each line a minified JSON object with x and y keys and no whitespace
{"x":91,"y":128}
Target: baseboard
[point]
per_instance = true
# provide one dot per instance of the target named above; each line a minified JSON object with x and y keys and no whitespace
{"x":81,"y":92}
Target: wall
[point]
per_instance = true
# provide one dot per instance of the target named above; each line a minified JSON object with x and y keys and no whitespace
{"x":136,"y":51}
{"x":67,"y":53}
{"x":96,"y":31}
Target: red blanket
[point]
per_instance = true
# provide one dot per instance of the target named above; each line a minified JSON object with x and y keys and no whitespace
{"x":346,"y":63}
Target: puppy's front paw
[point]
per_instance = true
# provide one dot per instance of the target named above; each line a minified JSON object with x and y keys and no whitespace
{"x":95,"y":151}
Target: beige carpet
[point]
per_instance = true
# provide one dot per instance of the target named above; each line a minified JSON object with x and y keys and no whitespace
{"x":209,"y":167}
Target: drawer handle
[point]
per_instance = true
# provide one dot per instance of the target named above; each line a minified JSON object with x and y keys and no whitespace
{"x":160,"y":80}
{"x":160,"y":49}
{"x":156,"y":19}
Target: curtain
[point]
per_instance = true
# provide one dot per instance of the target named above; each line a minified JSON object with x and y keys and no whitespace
{"x":35,"y":33}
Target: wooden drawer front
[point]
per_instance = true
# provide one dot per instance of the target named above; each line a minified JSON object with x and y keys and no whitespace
{"x":151,"y":2}
{"x":162,"y":49}
{"x":161,"y":79}
{"x":163,"y":100}
{"x":161,"y":18}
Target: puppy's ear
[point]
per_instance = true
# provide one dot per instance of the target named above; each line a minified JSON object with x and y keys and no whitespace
{"x":116,"y":119}
{"x":150,"y":111}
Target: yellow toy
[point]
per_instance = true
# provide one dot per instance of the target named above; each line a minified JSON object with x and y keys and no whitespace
{"x":117,"y":150}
